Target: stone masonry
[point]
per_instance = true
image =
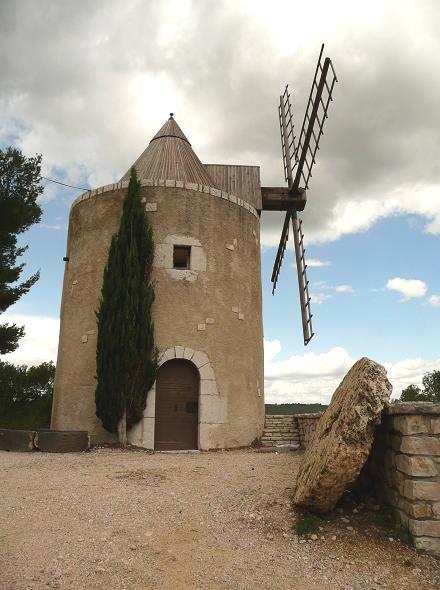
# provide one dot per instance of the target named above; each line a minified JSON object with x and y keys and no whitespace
{"x":280,"y":430}
{"x":405,"y":467}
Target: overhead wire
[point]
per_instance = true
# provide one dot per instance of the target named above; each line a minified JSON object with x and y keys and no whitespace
{"x":80,"y":188}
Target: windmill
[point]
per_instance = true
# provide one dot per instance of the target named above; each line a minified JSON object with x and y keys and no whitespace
{"x":299,"y":156}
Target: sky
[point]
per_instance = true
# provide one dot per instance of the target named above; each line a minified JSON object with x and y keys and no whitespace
{"x":87,"y":84}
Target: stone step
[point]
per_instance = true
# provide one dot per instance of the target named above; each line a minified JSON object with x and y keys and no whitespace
{"x":280,"y":436}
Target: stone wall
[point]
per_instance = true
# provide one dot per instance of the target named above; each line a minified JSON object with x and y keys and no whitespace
{"x":405,"y":468}
{"x":306,"y":427}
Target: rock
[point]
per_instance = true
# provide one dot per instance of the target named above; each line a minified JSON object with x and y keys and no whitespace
{"x":16,"y":440}
{"x":62,"y":441}
{"x":343,"y":437}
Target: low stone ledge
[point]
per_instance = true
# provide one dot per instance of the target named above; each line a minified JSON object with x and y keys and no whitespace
{"x":412,"y":408}
{"x":16,"y":440}
{"x":62,"y":441}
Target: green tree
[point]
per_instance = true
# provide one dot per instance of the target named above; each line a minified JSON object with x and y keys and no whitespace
{"x":431,"y":386}
{"x":429,"y":393}
{"x":26,"y":395}
{"x":19,"y":190}
{"x":410,"y":394}
{"x":126,"y":357}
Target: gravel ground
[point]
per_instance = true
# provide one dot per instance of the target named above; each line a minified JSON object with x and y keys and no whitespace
{"x":129,"y":519}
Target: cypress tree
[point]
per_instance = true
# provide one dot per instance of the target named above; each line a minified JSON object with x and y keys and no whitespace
{"x":126,"y":357}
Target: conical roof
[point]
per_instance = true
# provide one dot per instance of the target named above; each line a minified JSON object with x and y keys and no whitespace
{"x":169,"y":156}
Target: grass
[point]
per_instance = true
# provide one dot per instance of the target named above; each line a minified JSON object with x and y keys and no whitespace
{"x":387,"y":519}
{"x":307,"y":524}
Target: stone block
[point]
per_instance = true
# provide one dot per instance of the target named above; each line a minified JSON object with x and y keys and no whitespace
{"x":422,"y":490}
{"x":234,"y":309}
{"x":163,"y":256}
{"x":200,"y":359}
{"x":425,"y":528}
{"x":411,"y":424}
{"x":192,"y":186}
{"x":230,"y":247}
{"x":414,"y":510}
{"x":150,"y":207}
{"x":206,"y":372}
{"x":211,"y":436}
{"x":201,"y":327}
{"x":436,"y":509}
{"x":188,"y":354}
{"x":148,"y":433}
{"x":170,"y":183}
{"x":420,"y":445}
{"x":84,"y":338}
{"x":435,"y":425}
{"x":198,"y":258}
{"x":179,"y":350}
{"x":416,"y":466}
{"x":210,"y":320}
{"x":208,"y":387}
{"x":62,"y":441}
{"x":212,"y":410}
{"x":233,"y":198}
{"x":16,"y":440}
{"x":428,"y":544}
{"x":241,"y":316}
{"x":150,"y":407}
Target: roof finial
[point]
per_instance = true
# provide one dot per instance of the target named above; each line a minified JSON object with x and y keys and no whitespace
{"x":171,"y":115}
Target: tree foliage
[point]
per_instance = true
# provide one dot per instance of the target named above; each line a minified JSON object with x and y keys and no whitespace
{"x":19,"y":190}
{"x":26,"y":395}
{"x":126,"y":356}
{"x":429,"y":393}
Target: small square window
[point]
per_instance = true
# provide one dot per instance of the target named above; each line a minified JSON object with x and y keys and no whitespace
{"x":181,"y":257}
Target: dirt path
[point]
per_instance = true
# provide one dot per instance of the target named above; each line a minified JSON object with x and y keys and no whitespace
{"x":132,"y":520}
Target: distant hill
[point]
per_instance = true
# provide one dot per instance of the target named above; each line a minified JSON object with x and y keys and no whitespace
{"x":294,"y":408}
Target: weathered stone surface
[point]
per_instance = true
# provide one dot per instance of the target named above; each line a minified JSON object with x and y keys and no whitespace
{"x":420,"y":445}
{"x":413,"y":408}
{"x":411,"y":424}
{"x":16,"y":440}
{"x":343,"y":437}
{"x":416,"y":466}
{"x":429,"y":544}
{"x":425,"y":528}
{"x":422,"y":490}
{"x":61,"y":441}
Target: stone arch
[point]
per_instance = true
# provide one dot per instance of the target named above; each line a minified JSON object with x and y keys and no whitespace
{"x":212,"y":407}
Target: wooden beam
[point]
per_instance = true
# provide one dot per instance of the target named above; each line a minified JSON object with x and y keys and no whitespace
{"x":281,"y":199}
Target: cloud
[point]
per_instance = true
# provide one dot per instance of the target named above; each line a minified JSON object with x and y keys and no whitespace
{"x":89,"y":96}
{"x":313,"y":377}
{"x":434,"y":300}
{"x":409,"y":288}
{"x":316,"y":262}
{"x":344,"y":289}
{"x":40,"y":343}
{"x":319,"y":298}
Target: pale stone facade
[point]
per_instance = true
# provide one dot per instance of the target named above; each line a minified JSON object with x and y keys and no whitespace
{"x":209,"y":313}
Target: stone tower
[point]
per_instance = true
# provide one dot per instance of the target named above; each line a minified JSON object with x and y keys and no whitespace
{"x":207,"y":312}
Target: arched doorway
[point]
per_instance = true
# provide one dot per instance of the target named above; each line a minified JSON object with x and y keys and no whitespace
{"x":177,"y":406}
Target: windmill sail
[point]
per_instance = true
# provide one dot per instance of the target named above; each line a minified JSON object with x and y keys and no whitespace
{"x":299,"y":158}
{"x":314,"y":119}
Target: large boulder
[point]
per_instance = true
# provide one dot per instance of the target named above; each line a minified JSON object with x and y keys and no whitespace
{"x":343,"y":437}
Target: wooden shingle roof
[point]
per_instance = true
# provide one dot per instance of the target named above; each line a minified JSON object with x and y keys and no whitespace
{"x":169,"y":156}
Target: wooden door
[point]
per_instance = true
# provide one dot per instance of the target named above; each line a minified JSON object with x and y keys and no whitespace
{"x":177,"y":406}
